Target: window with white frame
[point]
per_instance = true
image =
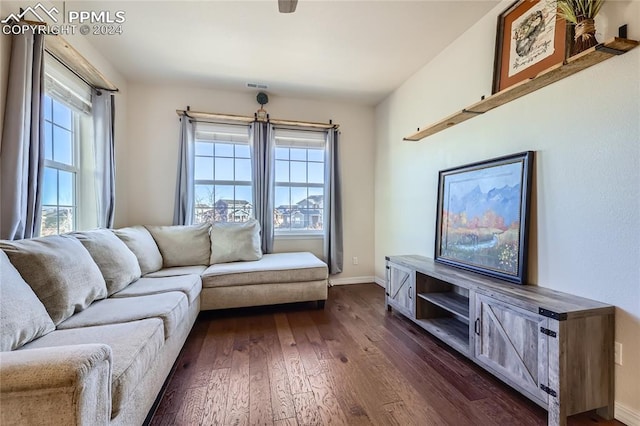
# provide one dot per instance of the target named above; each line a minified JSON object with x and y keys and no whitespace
{"x":223,"y":174}
{"x":67,"y":143}
{"x":299,"y":204}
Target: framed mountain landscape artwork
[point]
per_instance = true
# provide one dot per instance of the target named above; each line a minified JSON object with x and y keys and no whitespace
{"x":483,"y":216}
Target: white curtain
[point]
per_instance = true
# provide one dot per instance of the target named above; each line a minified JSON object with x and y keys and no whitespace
{"x":22,"y":144}
{"x":184,"y":200}
{"x":333,"y":251}
{"x":103,"y":110}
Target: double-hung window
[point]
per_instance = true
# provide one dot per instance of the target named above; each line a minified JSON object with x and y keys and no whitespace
{"x":222,"y":173}
{"x":299,"y":207}
{"x":67,"y":142}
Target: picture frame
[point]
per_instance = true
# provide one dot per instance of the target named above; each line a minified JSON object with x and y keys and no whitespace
{"x":530,"y":38}
{"x":482,"y":218}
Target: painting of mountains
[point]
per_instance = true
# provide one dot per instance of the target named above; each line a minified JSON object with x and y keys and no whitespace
{"x":480,"y":216}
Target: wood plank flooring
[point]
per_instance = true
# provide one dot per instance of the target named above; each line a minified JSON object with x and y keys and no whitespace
{"x":352,"y":363}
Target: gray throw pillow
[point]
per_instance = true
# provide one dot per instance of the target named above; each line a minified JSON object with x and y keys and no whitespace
{"x":60,"y":271}
{"x":22,"y":315}
{"x":233,"y":242}
{"x":183,"y":245}
{"x":142,"y":244}
{"x":118,"y":264}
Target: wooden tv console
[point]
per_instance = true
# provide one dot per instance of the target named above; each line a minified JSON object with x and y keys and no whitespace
{"x":553,"y":347}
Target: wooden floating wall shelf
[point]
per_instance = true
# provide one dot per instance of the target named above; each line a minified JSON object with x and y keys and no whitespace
{"x":583,"y":60}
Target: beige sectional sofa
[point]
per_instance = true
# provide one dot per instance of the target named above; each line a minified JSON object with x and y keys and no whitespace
{"x":92,"y":322}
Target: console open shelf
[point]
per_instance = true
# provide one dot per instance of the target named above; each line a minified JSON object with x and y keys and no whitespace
{"x":449,"y":301}
{"x":574,"y":64}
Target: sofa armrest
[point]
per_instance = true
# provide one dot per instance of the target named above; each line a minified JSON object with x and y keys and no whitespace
{"x":68,"y":385}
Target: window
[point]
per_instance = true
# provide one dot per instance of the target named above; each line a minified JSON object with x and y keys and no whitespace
{"x":223,"y":178}
{"x":67,"y":153}
{"x":59,"y":201}
{"x":299,"y":182}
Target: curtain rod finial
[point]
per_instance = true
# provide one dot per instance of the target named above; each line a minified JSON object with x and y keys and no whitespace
{"x":188,"y":108}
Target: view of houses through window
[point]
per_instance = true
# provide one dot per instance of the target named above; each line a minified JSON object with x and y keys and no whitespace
{"x":224,"y":181}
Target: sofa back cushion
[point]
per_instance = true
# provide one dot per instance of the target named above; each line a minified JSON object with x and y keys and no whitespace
{"x":183,"y":245}
{"x":60,"y":271}
{"x":22,"y":315}
{"x":235,"y":241}
{"x":142,"y":244}
{"x":118,"y":264}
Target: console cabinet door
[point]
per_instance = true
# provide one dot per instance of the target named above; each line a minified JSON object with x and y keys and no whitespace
{"x":401,"y":289}
{"x":509,"y":342}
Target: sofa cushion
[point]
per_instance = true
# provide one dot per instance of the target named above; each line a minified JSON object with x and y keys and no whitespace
{"x":142,"y":244}
{"x":190,"y":285}
{"x":170,"y":307}
{"x":177,"y":270}
{"x":22,"y":315}
{"x":183,"y":245}
{"x":118,"y":264}
{"x":60,"y":271}
{"x":235,"y":241}
{"x":134,"y":346}
{"x":272,"y":268}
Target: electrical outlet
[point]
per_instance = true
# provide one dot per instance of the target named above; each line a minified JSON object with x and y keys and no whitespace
{"x":617,"y":353}
{"x":355,"y":260}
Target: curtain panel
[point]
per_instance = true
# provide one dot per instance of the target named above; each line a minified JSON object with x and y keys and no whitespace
{"x":262,"y":160}
{"x":103,"y":110}
{"x":184,"y":200}
{"x":333,"y":251}
{"x":22,"y":145}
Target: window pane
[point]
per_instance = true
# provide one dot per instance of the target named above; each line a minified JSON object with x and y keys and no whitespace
{"x":224,"y":169}
{"x":203,"y":168}
{"x":243,"y":151}
{"x":47,"y":108}
{"x":282,"y":171}
{"x":243,"y":170}
{"x":65,"y":219}
{"x":298,"y":154}
{"x":50,"y":186}
{"x":62,"y":146}
{"x":224,"y":150}
{"x":282,"y":197}
{"x":298,"y":172}
{"x":282,"y":153}
{"x":316,"y":155}
{"x":224,"y":193}
{"x":298,"y":196}
{"x":316,"y":172}
{"x":48,"y":141}
{"x":204,"y":148}
{"x":204,"y":195}
{"x":243,"y":193}
{"x":61,"y":115}
{"x":66,"y":188}
{"x":49,"y":221}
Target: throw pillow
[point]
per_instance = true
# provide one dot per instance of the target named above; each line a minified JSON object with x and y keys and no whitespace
{"x":142,"y":244}
{"x":118,"y":264}
{"x":22,"y":315}
{"x":235,"y":241}
{"x":60,"y":271}
{"x":183,"y":245}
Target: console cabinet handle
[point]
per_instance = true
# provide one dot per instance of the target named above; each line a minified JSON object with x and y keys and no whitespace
{"x":476,"y":326}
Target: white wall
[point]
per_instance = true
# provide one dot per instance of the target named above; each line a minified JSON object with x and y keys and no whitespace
{"x":152,"y":157}
{"x":586,"y":133}
{"x":80,"y":43}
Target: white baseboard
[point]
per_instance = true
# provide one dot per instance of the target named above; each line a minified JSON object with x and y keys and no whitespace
{"x":380,"y":282}
{"x":626,"y":415}
{"x":352,"y":280}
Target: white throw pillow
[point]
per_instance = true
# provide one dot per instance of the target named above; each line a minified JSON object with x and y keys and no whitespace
{"x":22,"y":315}
{"x":235,"y":241}
{"x":60,"y":271}
{"x":142,"y":244}
{"x":183,"y":245}
{"x":118,"y":264}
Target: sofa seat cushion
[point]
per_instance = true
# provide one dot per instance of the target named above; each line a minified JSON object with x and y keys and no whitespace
{"x":170,"y":307}
{"x":134,"y":345}
{"x":22,"y":316}
{"x":118,"y":264}
{"x":272,"y":268}
{"x":177,"y":270}
{"x":190,"y":285}
{"x":60,"y":271}
{"x":142,"y":244}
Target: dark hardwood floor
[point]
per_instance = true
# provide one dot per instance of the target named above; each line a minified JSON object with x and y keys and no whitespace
{"x":352,"y":363}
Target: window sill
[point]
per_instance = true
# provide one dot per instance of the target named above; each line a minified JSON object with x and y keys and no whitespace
{"x":299,"y":236}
